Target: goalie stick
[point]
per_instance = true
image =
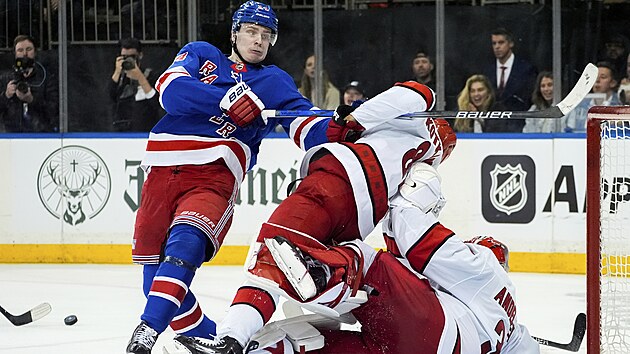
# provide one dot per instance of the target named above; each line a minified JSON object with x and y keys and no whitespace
{"x":578,"y":334}
{"x":29,"y":316}
{"x":577,"y":94}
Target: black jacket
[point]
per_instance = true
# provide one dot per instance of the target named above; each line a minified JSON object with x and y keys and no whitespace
{"x":515,"y":97}
{"x":41,"y":115}
{"x":132,"y":115}
{"x":517,"y":94}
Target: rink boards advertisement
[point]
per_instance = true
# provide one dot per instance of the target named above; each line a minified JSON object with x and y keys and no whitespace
{"x":75,"y":200}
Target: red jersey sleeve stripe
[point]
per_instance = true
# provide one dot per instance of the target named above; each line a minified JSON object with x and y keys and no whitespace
{"x":298,"y":131}
{"x":423,"y":90}
{"x":419,"y":255}
{"x":165,"y":76}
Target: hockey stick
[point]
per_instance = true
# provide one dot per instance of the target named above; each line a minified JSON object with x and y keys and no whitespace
{"x":577,"y":94}
{"x":29,"y":316}
{"x":578,"y":334}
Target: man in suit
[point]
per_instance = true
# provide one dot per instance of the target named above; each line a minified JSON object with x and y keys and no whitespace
{"x":513,"y":80}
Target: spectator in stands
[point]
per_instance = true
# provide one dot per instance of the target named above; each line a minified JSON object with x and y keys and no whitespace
{"x":353,"y":91}
{"x":512,"y":78}
{"x":30,"y":101}
{"x":615,"y":52}
{"x":606,"y":84}
{"x":542,"y":98}
{"x":422,"y":68}
{"x":477,"y":95}
{"x":307,"y":86}
{"x":135,"y":102}
{"x":624,"y":86}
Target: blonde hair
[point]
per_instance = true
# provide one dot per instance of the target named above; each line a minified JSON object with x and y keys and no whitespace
{"x":463,"y":102}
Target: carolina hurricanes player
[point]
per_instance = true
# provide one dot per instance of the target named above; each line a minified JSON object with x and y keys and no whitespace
{"x":408,"y":314}
{"x":466,"y":304}
{"x":346,"y":188}
{"x":197,"y":156}
{"x":470,"y":274}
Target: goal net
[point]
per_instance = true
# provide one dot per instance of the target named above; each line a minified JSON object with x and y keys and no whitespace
{"x":608,"y":230}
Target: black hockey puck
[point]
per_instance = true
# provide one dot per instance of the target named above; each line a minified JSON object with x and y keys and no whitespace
{"x":70,"y":320}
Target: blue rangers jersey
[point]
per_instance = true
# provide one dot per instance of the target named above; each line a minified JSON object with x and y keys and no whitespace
{"x":195,"y":130}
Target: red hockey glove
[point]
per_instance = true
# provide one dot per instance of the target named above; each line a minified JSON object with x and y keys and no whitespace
{"x":241,"y":104}
{"x":340,"y":130}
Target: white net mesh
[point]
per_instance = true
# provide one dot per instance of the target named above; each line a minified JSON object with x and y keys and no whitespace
{"x":615,"y":236}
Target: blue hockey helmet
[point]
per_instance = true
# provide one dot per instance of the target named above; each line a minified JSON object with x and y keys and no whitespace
{"x":257,"y":13}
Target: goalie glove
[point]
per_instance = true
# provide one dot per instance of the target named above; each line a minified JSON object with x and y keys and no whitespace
{"x":340,"y":130}
{"x":241,"y":104}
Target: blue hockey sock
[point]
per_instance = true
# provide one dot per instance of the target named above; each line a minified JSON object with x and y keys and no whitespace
{"x":184,"y":253}
{"x":148,"y":273}
{"x":188,"y":314}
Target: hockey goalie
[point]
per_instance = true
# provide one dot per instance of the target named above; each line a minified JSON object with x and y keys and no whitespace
{"x":431,"y":293}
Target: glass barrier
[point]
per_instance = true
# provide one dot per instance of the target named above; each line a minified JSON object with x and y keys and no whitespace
{"x":440,"y":43}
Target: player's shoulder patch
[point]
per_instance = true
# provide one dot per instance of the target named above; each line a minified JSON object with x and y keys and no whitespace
{"x":181,"y":56}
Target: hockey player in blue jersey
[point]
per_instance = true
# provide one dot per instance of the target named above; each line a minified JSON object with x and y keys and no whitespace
{"x":198,"y":154}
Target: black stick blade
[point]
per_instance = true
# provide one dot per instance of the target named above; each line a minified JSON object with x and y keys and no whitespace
{"x":578,"y":335}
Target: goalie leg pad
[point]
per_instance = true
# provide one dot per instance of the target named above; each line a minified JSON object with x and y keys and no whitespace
{"x":301,"y":331}
{"x":340,"y":293}
{"x":422,"y":187}
{"x":293,"y":264}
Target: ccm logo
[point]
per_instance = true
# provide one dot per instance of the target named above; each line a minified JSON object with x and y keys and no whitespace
{"x":238,"y":92}
{"x":464,"y":114}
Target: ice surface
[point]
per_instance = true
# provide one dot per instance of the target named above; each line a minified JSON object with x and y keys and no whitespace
{"x":107,"y":299}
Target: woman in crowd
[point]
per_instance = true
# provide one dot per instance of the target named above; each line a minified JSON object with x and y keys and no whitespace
{"x":542,"y":98}
{"x":477,"y":95}
{"x":307,"y":86}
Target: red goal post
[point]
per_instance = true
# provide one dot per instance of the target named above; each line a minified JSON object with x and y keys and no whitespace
{"x":608,"y":229}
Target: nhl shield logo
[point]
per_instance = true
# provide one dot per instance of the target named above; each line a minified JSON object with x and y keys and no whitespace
{"x":74,"y":184}
{"x":508,"y":189}
{"x":508,"y":192}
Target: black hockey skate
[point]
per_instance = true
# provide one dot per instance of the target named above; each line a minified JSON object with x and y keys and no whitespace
{"x":225,"y":345}
{"x":142,"y":340}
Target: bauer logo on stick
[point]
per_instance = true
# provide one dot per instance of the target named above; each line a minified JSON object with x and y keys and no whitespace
{"x":492,"y":115}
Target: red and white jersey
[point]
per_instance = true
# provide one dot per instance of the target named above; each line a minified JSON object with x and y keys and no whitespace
{"x":377,"y":162}
{"x":469,"y":272}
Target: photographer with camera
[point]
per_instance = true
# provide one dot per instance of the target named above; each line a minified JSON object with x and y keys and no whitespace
{"x":30,"y":102}
{"x":136,"y":106}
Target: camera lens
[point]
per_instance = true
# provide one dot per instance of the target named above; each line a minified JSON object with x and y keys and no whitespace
{"x":129,"y":63}
{"x":22,"y":86}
